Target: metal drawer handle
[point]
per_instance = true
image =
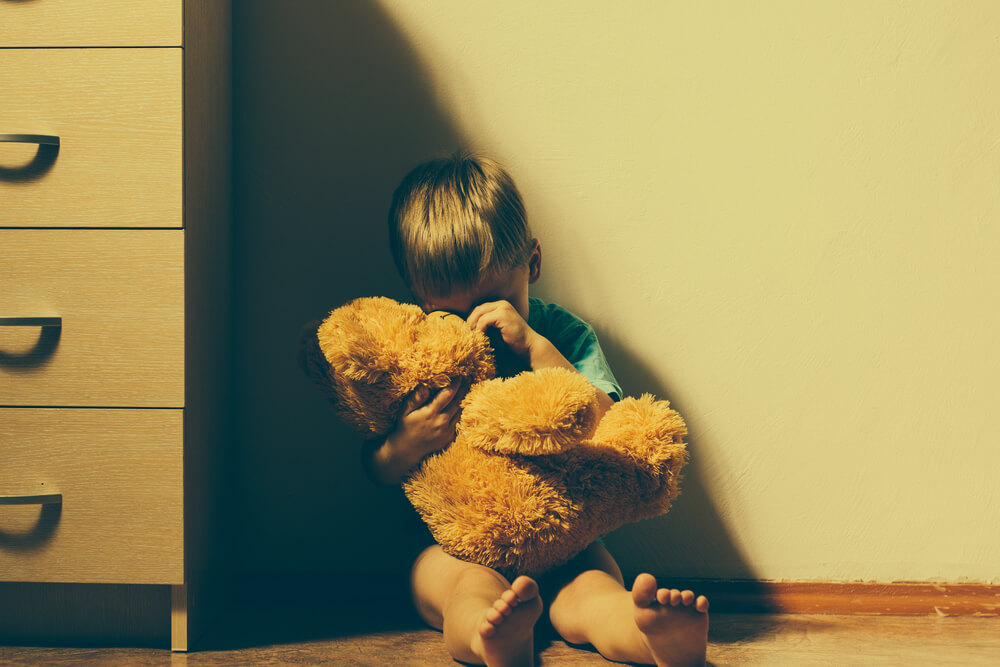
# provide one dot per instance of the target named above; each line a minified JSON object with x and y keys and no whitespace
{"x":30,"y":322}
{"x":40,"y":139}
{"x":37,"y":499}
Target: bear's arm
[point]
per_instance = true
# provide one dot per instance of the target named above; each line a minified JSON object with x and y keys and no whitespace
{"x":543,"y":354}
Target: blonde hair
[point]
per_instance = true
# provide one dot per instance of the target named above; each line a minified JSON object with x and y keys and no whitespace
{"x":454,"y":221}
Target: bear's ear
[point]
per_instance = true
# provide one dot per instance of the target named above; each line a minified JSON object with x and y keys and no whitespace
{"x":533,"y":414}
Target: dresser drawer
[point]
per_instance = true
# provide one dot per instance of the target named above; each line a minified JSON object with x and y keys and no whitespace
{"x":120,"y":297}
{"x":91,"y":22}
{"x":118,"y":117}
{"x":119,"y":474}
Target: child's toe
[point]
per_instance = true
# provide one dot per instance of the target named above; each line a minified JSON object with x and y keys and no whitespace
{"x":487,"y":630}
{"x":524,"y":588}
{"x":644,"y":590}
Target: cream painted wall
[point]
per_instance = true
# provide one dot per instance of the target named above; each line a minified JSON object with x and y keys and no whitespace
{"x":785,"y":217}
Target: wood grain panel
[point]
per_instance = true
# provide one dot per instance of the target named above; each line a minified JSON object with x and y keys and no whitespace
{"x":120,"y":294}
{"x":120,"y":473}
{"x":118,"y":114}
{"x":89,"y":23}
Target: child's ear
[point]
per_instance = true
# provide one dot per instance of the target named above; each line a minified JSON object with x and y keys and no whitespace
{"x":535,"y":262}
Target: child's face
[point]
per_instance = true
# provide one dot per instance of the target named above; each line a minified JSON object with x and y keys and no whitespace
{"x":509,"y":286}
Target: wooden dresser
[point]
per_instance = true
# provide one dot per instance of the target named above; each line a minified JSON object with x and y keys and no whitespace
{"x":115,"y":317}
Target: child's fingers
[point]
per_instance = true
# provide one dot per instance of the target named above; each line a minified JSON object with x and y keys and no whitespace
{"x":456,"y":401}
{"x":476,"y":313}
{"x":416,"y":400}
{"x":455,"y":418}
{"x":475,"y":319}
{"x":444,"y":397}
{"x":498,"y":319}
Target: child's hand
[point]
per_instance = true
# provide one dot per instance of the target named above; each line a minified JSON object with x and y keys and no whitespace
{"x":502,"y":316}
{"x":427,"y":423}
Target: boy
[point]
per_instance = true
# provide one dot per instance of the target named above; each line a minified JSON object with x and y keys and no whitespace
{"x":461,"y":241}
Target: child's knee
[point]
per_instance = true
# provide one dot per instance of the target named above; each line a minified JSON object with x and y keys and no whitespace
{"x":438,"y":579}
{"x":478,"y":579}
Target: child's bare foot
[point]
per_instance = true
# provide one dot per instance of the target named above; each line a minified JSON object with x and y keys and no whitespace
{"x":508,"y":628}
{"x":673,"y":623}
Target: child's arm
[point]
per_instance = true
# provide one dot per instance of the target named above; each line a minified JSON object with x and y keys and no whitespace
{"x":525,"y":341}
{"x":426,"y":425}
{"x":543,"y":354}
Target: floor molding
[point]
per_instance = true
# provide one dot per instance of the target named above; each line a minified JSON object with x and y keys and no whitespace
{"x":740,"y":596}
{"x":888,"y":599}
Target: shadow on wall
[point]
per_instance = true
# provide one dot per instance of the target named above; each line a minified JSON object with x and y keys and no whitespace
{"x":692,"y":540}
{"x":332,"y":108}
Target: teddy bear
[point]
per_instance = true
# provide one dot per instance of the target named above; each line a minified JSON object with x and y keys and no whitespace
{"x":533,"y":476}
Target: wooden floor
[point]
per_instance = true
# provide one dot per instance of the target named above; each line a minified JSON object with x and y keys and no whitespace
{"x":293,"y":634}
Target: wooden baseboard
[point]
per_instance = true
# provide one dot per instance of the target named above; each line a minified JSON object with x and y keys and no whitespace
{"x":848,"y":598}
{"x":739,"y":596}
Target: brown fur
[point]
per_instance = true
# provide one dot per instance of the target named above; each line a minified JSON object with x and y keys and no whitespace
{"x":380,"y":350}
{"x":531,"y":478}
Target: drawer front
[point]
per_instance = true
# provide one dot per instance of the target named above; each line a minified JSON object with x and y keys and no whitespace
{"x":117,"y":114}
{"x":120,"y":297}
{"x":91,"y":23}
{"x":120,"y":475}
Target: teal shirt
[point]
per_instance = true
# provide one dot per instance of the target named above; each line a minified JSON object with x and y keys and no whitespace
{"x":576,"y":340}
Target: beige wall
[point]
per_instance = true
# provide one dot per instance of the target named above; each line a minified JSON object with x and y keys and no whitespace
{"x":783,"y":216}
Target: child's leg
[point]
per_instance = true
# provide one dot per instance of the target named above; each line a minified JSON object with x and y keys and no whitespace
{"x":485,"y":619}
{"x":644,"y":625}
